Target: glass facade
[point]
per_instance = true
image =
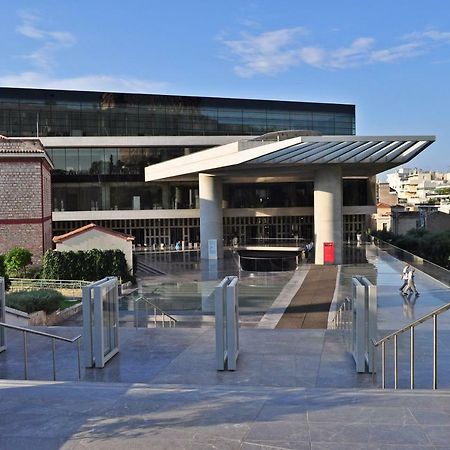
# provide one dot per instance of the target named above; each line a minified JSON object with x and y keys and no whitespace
{"x":112,"y":178}
{"x":32,"y":112}
{"x":112,"y":162}
{"x":273,"y":195}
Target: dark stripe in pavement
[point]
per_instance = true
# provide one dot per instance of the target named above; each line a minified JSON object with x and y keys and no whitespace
{"x":310,"y":305}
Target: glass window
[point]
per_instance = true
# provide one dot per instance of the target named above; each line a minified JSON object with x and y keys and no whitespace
{"x":72,"y":164}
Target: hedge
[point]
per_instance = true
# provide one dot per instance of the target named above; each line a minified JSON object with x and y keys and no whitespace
{"x":48,"y":300}
{"x":90,"y":265}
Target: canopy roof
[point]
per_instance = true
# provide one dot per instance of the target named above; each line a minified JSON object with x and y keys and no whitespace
{"x":358,"y":156}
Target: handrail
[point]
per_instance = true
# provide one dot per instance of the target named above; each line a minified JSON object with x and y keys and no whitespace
{"x":49,"y":281}
{"x":423,"y":319}
{"x":40,"y":333}
{"x":411,"y":327}
{"x":430,"y":268}
{"x":155,"y":309}
{"x":53,"y":337}
{"x":337,"y":319}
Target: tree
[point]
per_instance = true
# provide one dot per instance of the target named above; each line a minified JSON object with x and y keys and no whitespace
{"x":16,"y":260}
{"x":3,"y":272}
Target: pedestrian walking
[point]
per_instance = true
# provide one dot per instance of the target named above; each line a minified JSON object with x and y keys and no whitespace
{"x":411,"y":285}
{"x":404,"y":276}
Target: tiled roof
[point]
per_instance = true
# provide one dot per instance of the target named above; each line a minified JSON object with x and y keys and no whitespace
{"x":9,"y":145}
{"x":89,"y":227}
{"x":383,"y":205}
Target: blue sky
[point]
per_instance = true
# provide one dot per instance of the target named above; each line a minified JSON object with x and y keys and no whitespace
{"x":389,"y":58}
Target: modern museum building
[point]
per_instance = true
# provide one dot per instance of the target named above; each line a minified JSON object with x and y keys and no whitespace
{"x":169,"y":168}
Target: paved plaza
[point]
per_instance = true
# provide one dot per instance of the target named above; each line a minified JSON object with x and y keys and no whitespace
{"x":293,"y":388}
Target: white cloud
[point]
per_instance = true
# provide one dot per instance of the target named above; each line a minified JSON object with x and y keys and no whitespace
{"x":268,"y":53}
{"x":43,"y":57}
{"x":51,"y":41}
{"x":83,"y":83}
{"x":276,"y":51}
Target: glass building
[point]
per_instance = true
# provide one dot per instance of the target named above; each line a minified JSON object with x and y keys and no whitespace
{"x":101,"y":142}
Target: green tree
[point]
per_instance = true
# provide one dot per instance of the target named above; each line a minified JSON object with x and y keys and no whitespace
{"x":3,"y":273}
{"x":16,"y":260}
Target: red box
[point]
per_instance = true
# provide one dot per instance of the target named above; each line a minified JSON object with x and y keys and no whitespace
{"x":328,"y":252}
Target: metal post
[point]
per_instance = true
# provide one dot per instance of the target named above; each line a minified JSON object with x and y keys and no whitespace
{"x":435,"y":350}
{"x":162,"y":319}
{"x":54,"y":361}
{"x":136,"y":314}
{"x":373,"y":363}
{"x":79,"y":363}
{"x":411,"y":358}
{"x":395,"y":362}
{"x":383,"y":365}
{"x":25,"y":356}
{"x":154,"y":316}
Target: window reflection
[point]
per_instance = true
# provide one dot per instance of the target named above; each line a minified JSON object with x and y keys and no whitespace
{"x":112,"y":160}
{"x":275,"y":195}
{"x":65,"y":113}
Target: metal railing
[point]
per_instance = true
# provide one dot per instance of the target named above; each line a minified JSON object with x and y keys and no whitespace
{"x":53,"y":337}
{"x":433,"y":315}
{"x":439,"y":273}
{"x":276,"y":242}
{"x":340,"y":320}
{"x":157,"y":312}
{"x":28,"y":284}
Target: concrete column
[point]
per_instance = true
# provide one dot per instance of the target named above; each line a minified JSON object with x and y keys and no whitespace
{"x":106,"y":197}
{"x":328,"y":211}
{"x":211,"y":216}
{"x":165,"y":197}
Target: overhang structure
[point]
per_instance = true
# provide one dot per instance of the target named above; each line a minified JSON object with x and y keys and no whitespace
{"x":323,"y":159}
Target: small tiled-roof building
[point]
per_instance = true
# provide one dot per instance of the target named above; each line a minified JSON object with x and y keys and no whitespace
{"x":25,"y":196}
{"x":94,"y":236}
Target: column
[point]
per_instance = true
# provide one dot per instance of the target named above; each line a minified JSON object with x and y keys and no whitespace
{"x":165,"y":196}
{"x":328,"y":211}
{"x":211,"y":217}
{"x":106,"y":197}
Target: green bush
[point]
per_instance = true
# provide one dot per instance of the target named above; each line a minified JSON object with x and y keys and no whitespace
{"x":32,"y":271}
{"x":47,"y":300}
{"x":16,"y":260}
{"x":3,"y":272}
{"x":90,"y":265}
{"x":434,"y":247}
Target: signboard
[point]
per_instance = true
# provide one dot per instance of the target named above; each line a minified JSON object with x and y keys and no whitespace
{"x":212,"y":248}
{"x":328,"y":252}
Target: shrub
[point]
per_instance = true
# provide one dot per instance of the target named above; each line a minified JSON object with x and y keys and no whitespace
{"x":48,"y":300}
{"x":3,"y":272}
{"x":16,"y":260}
{"x":90,"y":265}
{"x":32,"y":271}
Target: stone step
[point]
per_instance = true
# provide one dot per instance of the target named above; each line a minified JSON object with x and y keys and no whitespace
{"x":120,"y":415}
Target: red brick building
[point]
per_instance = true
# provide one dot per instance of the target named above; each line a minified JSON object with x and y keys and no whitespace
{"x":25,"y":196}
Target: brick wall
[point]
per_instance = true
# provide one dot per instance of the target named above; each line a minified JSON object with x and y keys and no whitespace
{"x":27,"y":235}
{"x":20,"y":189}
{"x":25,"y":196}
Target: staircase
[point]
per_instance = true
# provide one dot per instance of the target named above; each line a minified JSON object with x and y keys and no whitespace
{"x":145,"y":269}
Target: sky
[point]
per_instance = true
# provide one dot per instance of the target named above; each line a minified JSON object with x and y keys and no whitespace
{"x":391,"y":58}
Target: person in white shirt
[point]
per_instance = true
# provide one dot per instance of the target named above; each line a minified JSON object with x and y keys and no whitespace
{"x":404,"y":276}
{"x":411,"y":286}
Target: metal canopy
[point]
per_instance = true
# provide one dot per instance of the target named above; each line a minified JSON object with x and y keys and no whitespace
{"x":358,"y":155}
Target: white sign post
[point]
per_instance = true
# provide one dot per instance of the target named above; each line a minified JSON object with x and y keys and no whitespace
{"x":227,"y":324}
